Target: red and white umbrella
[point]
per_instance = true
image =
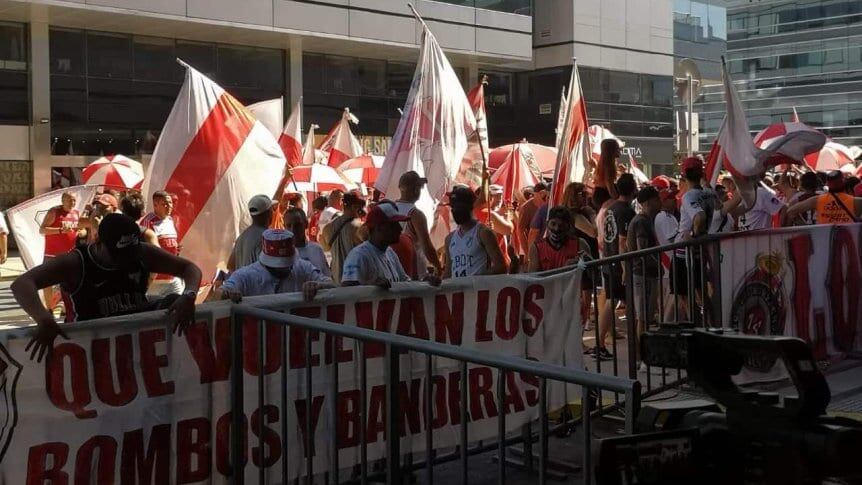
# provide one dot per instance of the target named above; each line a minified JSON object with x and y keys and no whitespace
{"x":598,"y":134}
{"x":317,"y":178}
{"x":833,"y":156}
{"x":540,"y":158}
{"x":363,"y":169}
{"x":514,"y":175}
{"x":831,"y":160}
{"x":114,"y":171}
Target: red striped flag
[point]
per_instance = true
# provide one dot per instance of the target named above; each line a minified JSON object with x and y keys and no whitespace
{"x":291,"y":137}
{"x":215,"y":156}
{"x":340,"y":143}
{"x":472,"y":167}
{"x":573,"y":149}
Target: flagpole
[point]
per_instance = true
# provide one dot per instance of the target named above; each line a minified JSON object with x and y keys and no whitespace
{"x":486,"y":176}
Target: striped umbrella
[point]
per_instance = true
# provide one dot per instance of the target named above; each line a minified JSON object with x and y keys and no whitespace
{"x":363,"y":169}
{"x":540,"y":158}
{"x":114,"y":171}
{"x":833,"y":156}
{"x":317,"y":178}
{"x":776,"y":131}
{"x":514,"y":175}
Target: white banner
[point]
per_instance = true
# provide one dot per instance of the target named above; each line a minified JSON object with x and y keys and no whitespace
{"x":125,"y":400}
{"x":801,"y":282}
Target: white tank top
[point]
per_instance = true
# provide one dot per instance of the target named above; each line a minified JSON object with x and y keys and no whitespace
{"x":467,"y":254}
{"x":407,"y":208}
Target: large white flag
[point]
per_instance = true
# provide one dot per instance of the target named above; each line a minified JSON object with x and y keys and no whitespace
{"x":573,"y":147}
{"x":26,"y":217}
{"x":215,"y":156}
{"x":291,"y":137}
{"x":432,"y":136}
{"x":270,"y":113}
{"x":309,"y":153}
{"x":341,"y":144}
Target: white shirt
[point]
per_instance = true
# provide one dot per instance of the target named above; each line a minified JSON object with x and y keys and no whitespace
{"x":666,"y":229}
{"x":365,"y":264}
{"x":694,"y":202}
{"x":766,"y":205}
{"x":466,"y":253}
{"x":4,"y":229}
{"x":313,"y":253}
{"x":255,"y":279}
{"x":721,"y":223}
{"x":327,"y":216}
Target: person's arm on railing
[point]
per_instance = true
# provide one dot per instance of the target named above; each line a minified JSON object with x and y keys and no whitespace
{"x":182,"y":311}
{"x":65,"y":268}
{"x":802,"y":207}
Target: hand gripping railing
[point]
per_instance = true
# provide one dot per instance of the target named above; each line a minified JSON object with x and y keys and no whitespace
{"x":395,"y":345}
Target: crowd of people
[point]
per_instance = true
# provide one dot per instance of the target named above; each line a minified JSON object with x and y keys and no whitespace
{"x":114,"y":258}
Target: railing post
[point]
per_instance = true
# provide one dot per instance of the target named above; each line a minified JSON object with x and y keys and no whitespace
{"x":236,"y":402}
{"x":393,"y":434}
{"x":716,"y":285}
{"x":633,"y":404}
{"x":631,"y":323}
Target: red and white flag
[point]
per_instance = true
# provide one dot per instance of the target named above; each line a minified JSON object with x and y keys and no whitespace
{"x":309,"y":153}
{"x":472,"y":167}
{"x":290,"y":139}
{"x":215,"y":156}
{"x":795,"y":117}
{"x":635,"y":170}
{"x":561,"y":117}
{"x":270,"y":113}
{"x":573,"y":149}
{"x":432,"y":136}
{"x":340,"y":143}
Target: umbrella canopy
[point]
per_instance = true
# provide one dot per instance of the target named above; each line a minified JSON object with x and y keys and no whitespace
{"x":542,"y":159}
{"x":515,"y":174}
{"x":317,"y":178}
{"x":363,"y":169}
{"x":833,"y":156}
{"x":775,"y":133}
{"x":114,"y":171}
{"x":598,"y":134}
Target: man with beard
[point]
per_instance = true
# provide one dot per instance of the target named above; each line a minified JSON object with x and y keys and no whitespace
{"x":558,"y":248}
{"x":104,"y":279}
{"x":471,"y":249}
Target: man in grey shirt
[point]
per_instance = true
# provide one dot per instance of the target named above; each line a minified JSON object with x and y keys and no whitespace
{"x":246,"y":248}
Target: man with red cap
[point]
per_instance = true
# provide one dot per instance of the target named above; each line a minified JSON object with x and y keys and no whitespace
{"x":374,"y":262}
{"x":277,"y":270}
{"x":834,"y":207}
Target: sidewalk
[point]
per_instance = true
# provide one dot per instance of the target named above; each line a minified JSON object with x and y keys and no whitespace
{"x":13,"y":267}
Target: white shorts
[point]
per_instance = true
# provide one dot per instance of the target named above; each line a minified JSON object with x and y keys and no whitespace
{"x":163,"y":288}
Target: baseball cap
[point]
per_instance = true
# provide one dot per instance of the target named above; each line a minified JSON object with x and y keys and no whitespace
{"x":660,"y":182}
{"x":411,"y":178}
{"x":383,"y":212}
{"x":668,"y":193}
{"x":835,"y":180}
{"x":495,"y":189}
{"x":461,"y":194}
{"x":277,"y":249}
{"x":259,"y":204}
{"x":120,"y":233}
{"x":107,"y":200}
{"x":689,"y":163}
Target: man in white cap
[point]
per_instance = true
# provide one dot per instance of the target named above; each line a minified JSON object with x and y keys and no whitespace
{"x":247,"y":245}
{"x":278,"y":269}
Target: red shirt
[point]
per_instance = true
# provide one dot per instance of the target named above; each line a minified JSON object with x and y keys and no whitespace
{"x":313,"y":228}
{"x":550,"y":258}
{"x":57,"y":244}
{"x":166,"y":232}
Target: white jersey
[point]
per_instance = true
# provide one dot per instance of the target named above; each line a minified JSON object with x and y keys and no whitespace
{"x":467,"y":256}
{"x":407,"y":208}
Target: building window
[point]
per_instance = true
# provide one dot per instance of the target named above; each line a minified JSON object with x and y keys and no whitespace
{"x":14,"y":86}
{"x":112,"y":93}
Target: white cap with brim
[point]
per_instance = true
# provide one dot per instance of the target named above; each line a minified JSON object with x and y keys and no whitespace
{"x":259,"y":204}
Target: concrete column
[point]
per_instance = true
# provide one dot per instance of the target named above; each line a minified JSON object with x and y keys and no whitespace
{"x":40,"y":107}
{"x":294,"y":73}
{"x":472,"y":76}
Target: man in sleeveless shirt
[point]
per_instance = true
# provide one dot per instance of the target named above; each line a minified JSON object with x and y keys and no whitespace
{"x":161,"y":222}
{"x":471,"y":249}
{"x":416,"y":238}
{"x":105,"y":279}
{"x":558,"y":248}
{"x":834,"y":207}
{"x":60,"y":228}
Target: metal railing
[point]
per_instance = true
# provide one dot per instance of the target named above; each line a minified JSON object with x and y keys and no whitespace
{"x":395,"y":345}
{"x":696,"y":261}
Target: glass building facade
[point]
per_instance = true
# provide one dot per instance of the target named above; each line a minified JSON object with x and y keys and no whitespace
{"x":802,"y":54}
{"x":111,"y":93}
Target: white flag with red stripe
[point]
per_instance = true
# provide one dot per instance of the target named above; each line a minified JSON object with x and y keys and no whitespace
{"x":340,"y":143}
{"x":215,"y":156}
{"x":270,"y":113}
{"x":291,"y":136}
{"x":309,"y":153}
{"x":477,"y":147}
{"x":573,"y":149}
{"x":432,"y":136}
{"x":561,"y":116}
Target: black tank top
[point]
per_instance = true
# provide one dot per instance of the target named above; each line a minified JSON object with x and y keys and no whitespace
{"x":104,"y":292}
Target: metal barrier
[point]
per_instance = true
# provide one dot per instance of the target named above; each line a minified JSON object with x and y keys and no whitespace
{"x":697,"y":261}
{"x":395,"y":345}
